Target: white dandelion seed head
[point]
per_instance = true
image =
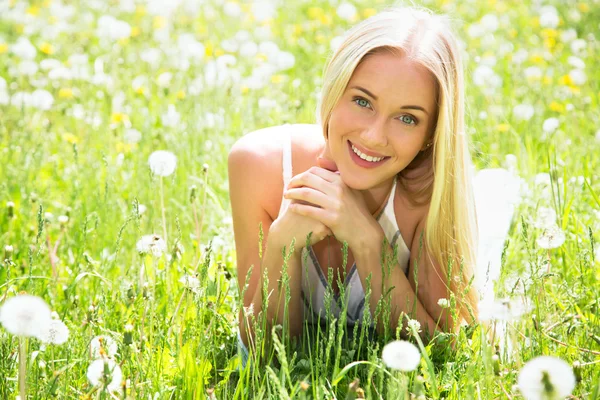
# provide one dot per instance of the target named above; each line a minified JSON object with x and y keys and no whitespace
{"x":551,"y":238}
{"x":546,"y":218}
{"x":103,"y":346}
{"x":132,"y":136}
{"x":546,"y":377}
{"x":56,"y":332}
{"x":190,"y":282}
{"x":346,"y":11}
{"x":401,"y":355}
{"x":549,"y":17}
{"x":413,"y":326}
{"x":151,"y":244}
{"x":550,"y":125}
{"x":96,"y":374}
{"x":444,"y":303}
{"x":501,"y":310}
{"x":24,"y":315}
{"x":523,"y":112}
{"x":578,"y":76}
{"x":162,"y":162}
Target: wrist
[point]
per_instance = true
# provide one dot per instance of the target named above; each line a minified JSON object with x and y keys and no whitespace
{"x":369,"y":243}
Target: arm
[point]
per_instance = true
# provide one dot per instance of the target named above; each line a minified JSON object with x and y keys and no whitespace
{"x":423,"y":307}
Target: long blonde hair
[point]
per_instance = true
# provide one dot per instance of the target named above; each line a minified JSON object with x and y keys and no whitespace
{"x":426,"y":38}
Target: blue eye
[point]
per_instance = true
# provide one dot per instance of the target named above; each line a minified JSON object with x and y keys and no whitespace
{"x":408,"y":119}
{"x":361,"y":102}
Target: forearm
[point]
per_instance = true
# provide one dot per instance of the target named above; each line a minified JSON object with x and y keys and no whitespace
{"x":402,"y":297}
{"x":279,"y":310}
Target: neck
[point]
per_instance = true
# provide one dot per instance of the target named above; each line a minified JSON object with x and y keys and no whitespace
{"x":376,"y":198}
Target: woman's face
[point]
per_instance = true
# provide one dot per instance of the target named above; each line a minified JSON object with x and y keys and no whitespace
{"x":387,"y":110}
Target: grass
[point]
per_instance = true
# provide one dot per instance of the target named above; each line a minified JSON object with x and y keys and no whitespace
{"x":65,"y":161}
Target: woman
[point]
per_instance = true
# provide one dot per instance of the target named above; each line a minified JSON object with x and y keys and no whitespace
{"x":387,"y":159}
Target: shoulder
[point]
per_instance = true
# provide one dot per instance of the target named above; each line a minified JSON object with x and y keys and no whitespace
{"x":256,"y":157}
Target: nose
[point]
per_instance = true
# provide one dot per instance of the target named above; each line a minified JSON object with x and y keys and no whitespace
{"x":375,"y":135}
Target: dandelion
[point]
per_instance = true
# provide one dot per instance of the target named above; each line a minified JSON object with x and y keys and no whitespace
{"x":100,"y":372}
{"x":523,"y":112}
{"x":103,"y":346}
{"x":549,"y":17}
{"x":546,"y":377}
{"x":190,"y":282}
{"x":151,"y":244}
{"x":162,"y":162}
{"x":550,"y":125}
{"x":444,"y":303}
{"x":56,"y":332}
{"x":552,"y":238}
{"x":413,"y":326}
{"x":24,"y":315}
{"x":401,"y":355}
{"x":346,"y":11}
{"x":501,"y":310}
{"x":546,"y":218}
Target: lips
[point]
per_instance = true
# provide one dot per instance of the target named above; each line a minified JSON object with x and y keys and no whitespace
{"x":367,"y":152}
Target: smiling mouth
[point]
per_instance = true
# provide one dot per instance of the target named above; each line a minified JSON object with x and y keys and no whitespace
{"x":364,"y":160}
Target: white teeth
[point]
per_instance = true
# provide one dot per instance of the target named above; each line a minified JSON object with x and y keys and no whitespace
{"x":366,"y":157}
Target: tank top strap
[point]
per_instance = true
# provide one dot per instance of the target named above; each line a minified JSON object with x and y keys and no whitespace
{"x":287,"y":166}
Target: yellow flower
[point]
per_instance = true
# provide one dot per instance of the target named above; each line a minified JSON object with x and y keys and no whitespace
{"x":583,"y":7}
{"x":557,"y":107}
{"x":575,"y":89}
{"x":535,"y":22}
{"x":536,"y":59}
{"x":159,"y":22}
{"x":326,"y":19}
{"x":208,"y":49}
{"x":70,"y":138}
{"x":123,"y":41}
{"x":297,"y":30}
{"x":124,"y":147}
{"x":181,"y":95}
{"x":65,"y":93}
{"x":46,"y":3}
{"x":565,"y":80}
{"x":369,"y":12}
{"x":140,"y":90}
{"x":501,"y":7}
{"x":550,"y":42}
{"x":47,"y":48}
{"x":115,"y":118}
{"x":512,"y":33}
{"x":315,"y":12}
{"x":3,"y":48}
{"x":33,"y":10}
{"x":245,"y":89}
{"x":277,"y":78}
{"x":140,"y":11}
{"x":135,"y":31}
{"x":219,"y":52}
{"x":502,"y":127}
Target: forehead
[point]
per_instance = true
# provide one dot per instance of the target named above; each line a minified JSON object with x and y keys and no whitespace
{"x":396,"y":78}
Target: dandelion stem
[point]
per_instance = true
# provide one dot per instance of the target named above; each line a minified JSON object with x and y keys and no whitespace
{"x":197,"y":228}
{"x":162,"y":206}
{"x":175,"y":314}
{"x":22,"y":366}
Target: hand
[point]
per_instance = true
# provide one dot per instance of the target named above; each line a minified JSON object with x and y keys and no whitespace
{"x":320,"y":194}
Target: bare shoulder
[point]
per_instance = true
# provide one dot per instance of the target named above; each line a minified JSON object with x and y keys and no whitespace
{"x":260,"y":153}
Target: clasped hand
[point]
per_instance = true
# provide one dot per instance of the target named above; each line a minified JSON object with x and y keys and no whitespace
{"x":320,"y":193}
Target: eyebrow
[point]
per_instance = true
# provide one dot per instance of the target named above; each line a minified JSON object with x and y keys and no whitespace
{"x":411,"y":107}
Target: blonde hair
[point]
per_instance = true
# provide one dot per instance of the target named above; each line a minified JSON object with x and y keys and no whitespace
{"x":427,"y":39}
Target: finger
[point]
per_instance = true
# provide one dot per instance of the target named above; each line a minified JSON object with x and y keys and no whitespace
{"x":308,"y":194}
{"x":316,"y":213}
{"x":315,"y":177}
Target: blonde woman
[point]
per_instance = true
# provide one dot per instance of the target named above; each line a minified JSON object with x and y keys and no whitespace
{"x":388,"y":158}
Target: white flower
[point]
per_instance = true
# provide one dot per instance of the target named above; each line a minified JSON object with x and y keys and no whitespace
{"x":576,"y":62}
{"x":401,"y":355}
{"x":490,"y":23}
{"x":232,"y":9}
{"x":97,"y":370}
{"x":485,"y":77}
{"x":171,"y":117}
{"x":520,"y":56}
{"x":346,"y":11}
{"x":248,"y":49}
{"x":41,"y":99}
{"x":546,"y":377}
{"x":444,"y":303}
{"x":549,"y":17}
{"x":189,"y":47}
{"x":23,"y":49}
{"x":103,"y":346}
{"x":263,"y":10}
{"x":190,"y":282}
{"x":501,"y":310}
{"x":550,"y":125}
{"x":151,"y":244}
{"x":552,"y":238}
{"x":546,"y":218}
{"x":578,"y":76}
{"x":151,"y":56}
{"x":113,"y":29}
{"x":568,"y":35}
{"x":25,"y":315}
{"x":533,"y":73}
{"x":413,"y":326}
{"x":578,"y":46}
{"x":164,"y":79}
{"x":132,"y":136}
{"x":523,"y":112}
{"x":56,"y":332}
{"x":162,"y":162}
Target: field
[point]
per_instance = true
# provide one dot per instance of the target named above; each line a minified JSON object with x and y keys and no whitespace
{"x":90,"y":89}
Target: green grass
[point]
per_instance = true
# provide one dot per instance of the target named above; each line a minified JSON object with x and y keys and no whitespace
{"x":54,"y":162}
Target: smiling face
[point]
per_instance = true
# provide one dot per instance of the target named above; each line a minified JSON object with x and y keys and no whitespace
{"x":388,"y":110}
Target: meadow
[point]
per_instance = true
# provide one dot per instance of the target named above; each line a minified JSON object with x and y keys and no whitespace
{"x":137,"y":264}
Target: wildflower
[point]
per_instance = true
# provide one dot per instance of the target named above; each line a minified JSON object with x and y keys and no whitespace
{"x":162,"y":162}
{"x":552,"y":238}
{"x":63,"y":219}
{"x":190,"y":282}
{"x":578,"y":76}
{"x":101,"y":371}
{"x":56,"y":332}
{"x":523,"y":112}
{"x":413,"y":326}
{"x":501,"y":310}
{"x":24,"y":315}
{"x":444,"y":303}
{"x":171,"y":117}
{"x":550,"y":125}
{"x":103,"y":346}
{"x":401,"y":355}
{"x":41,"y":99}
{"x":346,"y":11}
{"x":24,"y":49}
{"x":546,"y":218}
{"x":151,"y":244}
{"x":164,"y":79}
{"x":132,"y":136}
{"x":112,"y":29}
{"x":549,"y":17}
{"x":546,"y":377}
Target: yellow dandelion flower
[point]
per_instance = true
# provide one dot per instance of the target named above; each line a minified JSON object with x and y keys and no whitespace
{"x":181,"y":95}
{"x":124,"y":147}
{"x":46,"y":3}
{"x":208,"y":49}
{"x":159,"y":22}
{"x":512,"y":33}
{"x":565,"y":80}
{"x":115,"y":118}
{"x":535,"y":22}
{"x":33,"y":10}
{"x":277,"y":78}
{"x":244,"y":89}
{"x":140,"y":11}
{"x":491,"y":3}
{"x":583,"y":7}
{"x":297,"y":30}
{"x":315,"y":12}
{"x":3,"y":48}
{"x":502,"y":127}
{"x":549,"y":33}
{"x":47,"y":48}
{"x":65,"y":93}
{"x":369,"y":12}
{"x":70,"y":138}
{"x":325,"y":19}
{"x":536,"y":59}
{"x":557,"y":107}
{"x":140,"y":90}
{"x":574,"y":89}
{"x":135,"y":31}
{"x":550,"y":42}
